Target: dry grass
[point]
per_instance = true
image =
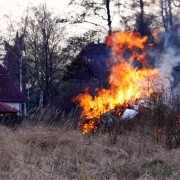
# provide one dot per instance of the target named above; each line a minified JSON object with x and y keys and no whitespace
{"x":53,"y":153}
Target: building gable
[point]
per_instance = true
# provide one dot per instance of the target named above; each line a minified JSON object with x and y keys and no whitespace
{"x":9,"y":92}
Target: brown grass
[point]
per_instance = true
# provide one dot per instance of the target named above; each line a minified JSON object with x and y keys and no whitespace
{"x":54,"y":153}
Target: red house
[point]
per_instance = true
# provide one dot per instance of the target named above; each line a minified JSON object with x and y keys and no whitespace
{"x":12,"y":100}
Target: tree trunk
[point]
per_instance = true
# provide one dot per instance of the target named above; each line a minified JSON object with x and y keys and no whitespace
{"x":166,"y":13}
{"x":109,"y":16}
{"x":163,"y":15}
{"x":142,"y":17}
{"x":170,"y":13}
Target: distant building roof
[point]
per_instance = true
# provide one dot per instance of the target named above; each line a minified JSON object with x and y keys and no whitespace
{"x":95,"y":51}
{"x":97,"y":56}
{"x":9,"y":92}
{"x":4,"y":108}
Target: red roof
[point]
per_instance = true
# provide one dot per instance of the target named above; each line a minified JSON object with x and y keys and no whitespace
{"x":4,"y":108}
{"x":9,"y":92}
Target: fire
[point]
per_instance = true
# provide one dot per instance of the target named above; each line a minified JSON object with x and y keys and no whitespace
{"x":127,"y":82}
{"x":90,"y":126}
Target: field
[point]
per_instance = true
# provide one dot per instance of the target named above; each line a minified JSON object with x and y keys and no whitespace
{"x":42,"y":151}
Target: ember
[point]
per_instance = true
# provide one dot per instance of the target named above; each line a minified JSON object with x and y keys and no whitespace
{"x":127,"y":82}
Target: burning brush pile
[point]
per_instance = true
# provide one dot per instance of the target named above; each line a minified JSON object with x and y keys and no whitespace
{"x":130,"y":80}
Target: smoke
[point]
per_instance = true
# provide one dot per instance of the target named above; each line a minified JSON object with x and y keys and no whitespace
{"x":168,"y":62}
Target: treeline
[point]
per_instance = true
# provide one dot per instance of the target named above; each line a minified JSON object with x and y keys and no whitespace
{"x":52,"y":64}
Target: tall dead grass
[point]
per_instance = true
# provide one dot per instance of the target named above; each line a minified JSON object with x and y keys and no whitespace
{"x":49,"y":152}
{"x":48,"y":146}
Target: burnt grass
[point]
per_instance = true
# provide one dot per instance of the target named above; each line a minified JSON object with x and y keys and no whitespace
{"x":136,"y":149}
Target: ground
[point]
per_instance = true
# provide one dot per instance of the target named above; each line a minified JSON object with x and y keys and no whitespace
{"x":47,"y":152}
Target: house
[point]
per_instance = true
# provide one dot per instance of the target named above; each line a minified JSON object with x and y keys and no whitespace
{"x":7,"y":110}
{"x":97,"y":57}
{"x":91,"y":64}
{"x":13,"y":58}
{"x":11,"y":98}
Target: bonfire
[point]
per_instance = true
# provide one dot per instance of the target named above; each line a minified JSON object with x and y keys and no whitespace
{"x":130,"y":79}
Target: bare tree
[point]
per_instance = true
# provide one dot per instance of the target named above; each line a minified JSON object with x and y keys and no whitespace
{"x":140,"y":17}
{"x":166,"y":13}
{"x":170,"y":13}
{"x":43,"y":39}
{"x":176,"y":3}
{"x":101,"y":11}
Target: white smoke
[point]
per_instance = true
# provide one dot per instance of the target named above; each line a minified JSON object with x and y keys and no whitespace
{"x":168,"y":60}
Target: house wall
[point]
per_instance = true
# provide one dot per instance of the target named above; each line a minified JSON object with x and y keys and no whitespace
{"x":18,"y":106}
{"x":14,"y":105}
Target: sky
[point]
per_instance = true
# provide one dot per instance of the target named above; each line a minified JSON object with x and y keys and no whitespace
{"x":12,"y":10}
{"x":15,"y":8}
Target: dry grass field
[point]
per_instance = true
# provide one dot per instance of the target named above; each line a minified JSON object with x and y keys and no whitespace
{"x":46,"y":152}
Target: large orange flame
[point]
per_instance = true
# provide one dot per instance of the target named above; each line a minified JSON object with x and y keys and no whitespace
{"x":126,"y":82}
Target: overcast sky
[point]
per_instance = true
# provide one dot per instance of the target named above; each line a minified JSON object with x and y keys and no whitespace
{"x":15,"y":8}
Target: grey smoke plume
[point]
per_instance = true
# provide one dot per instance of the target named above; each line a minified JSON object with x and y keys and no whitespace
{"x":168,"y":60}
